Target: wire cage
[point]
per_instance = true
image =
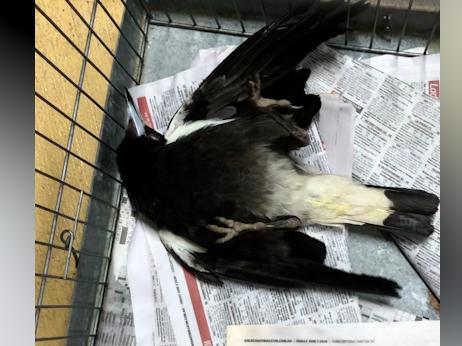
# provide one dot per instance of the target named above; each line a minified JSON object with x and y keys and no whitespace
{"x":86,"y":53}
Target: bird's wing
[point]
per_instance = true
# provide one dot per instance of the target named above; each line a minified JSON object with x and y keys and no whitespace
{"x":271,"y":53}
{"x":282,"y":259}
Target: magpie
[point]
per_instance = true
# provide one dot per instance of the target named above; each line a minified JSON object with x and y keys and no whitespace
{"x":220,"y":187}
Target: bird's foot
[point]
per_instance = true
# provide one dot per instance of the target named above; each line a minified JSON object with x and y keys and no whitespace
{"x":286,"y":222}
{"x":232,"y":228}
{"x":262,"y":102}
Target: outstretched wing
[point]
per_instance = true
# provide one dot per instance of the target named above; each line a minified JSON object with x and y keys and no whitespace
{"x":272,"y":53}
{"x":274,"y":258}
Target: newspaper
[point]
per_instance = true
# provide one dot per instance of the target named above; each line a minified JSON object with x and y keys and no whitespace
{"x":200,"y":311}
{"x":396,"y":142}
{"x":421,"y":72}
{"x":336,"y":128}
{"x":376,"y":312}
{"x":425,"y":333}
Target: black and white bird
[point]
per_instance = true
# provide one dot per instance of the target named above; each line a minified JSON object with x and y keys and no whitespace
{"x":221,"y":189}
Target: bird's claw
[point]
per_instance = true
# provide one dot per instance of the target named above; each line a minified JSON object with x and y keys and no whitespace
{"x":261,"y":102}
{"x":232,"y":228}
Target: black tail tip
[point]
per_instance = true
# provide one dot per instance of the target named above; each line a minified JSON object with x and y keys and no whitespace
{"x":409,"y":223}
{"x":413,"y":200}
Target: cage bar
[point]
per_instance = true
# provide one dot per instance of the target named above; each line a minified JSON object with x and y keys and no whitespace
{"x":193,"y":20}
{"x":99,"y":169}
{"x":66,"y":307}
{"x":88,"y":132}
{"x":263,"y":10}
{"x":72,"y":235}
{"x":65,"y":183}
{"x":84,"y":253}
{"x":132,"y":16}
{"x":101,"y":41}
{"x":213,"y":14}
{"x":239,"y":17}
{"x":347,"y":22}
{"x":70,"y":218}
{"x":65,"y":337}
{"x":79,"y":88}
{"x":406,"y":20}
{"x":84,"y":56}
{"x":105,"y":10}
{"x":432,"y":34}
{"x":58,"y":277}
{"x":374,"y":27}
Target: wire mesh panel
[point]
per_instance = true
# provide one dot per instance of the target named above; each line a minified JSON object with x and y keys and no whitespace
{"x":86,"y":53}
{"x":380,"y":29}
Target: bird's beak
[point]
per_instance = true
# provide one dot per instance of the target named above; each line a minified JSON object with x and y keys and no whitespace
{"x":131,"y":131}
{"x":135,"y":124}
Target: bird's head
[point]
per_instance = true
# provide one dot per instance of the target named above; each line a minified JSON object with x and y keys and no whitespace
{"x":137,"y":150}
{"x":135,"y":156}
{"x":143,"y":133}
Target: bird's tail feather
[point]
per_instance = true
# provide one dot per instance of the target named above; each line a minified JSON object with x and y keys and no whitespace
{"x":412,"y":200}
{"x":334,"y":200}
{"x":413,"y":210}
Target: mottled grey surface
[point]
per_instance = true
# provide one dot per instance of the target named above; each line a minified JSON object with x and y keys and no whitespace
{"x":171,"y":50}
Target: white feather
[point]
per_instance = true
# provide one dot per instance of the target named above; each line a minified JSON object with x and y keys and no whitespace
{"x":177,"y":120}
{"x":322,"y":198}
{"x":190,"y":127}
{"x":182,"y":247}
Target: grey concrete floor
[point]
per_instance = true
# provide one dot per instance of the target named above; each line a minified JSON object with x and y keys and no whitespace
{"x":171,"y":50}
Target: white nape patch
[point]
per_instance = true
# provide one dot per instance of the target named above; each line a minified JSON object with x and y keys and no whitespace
{"x":190,"y":127}
{"x":177,"y":120}
{"x":182,"y":247}
{"x":322,"y":198}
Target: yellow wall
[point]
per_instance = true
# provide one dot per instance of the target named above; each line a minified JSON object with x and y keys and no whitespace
{"x":48,"y":157}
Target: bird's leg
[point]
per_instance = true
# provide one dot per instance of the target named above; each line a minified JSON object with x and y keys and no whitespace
{"x":262,"y":102}
{"x":231,"y":228}
{"x":267,"y":106}
{"x":287,"y":222}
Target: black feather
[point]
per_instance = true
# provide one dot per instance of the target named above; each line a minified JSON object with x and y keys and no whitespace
{"x":290,"y":87}
{"x":409,"y":223}
{"x":286,"y":259}
{"x":293,"y":273}
{"x":272,"y":53}
{"x":269,"y":246}
{"x":411,"y":200}
{"x":216,"y":171}
{"x":413,"y":210}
